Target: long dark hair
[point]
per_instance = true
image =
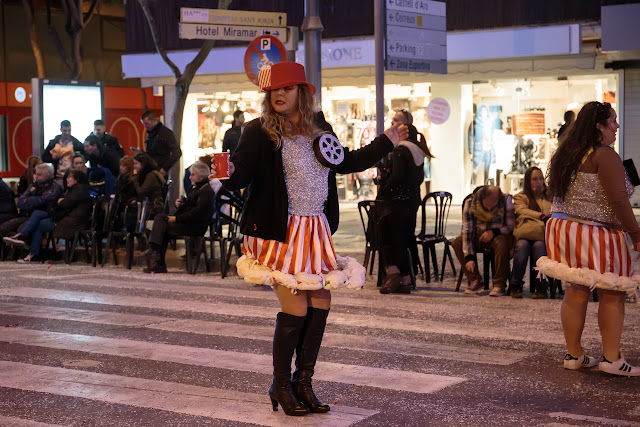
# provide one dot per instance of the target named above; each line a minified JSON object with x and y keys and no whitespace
{"x":574,"y":143}
{"x":528,"y":191}
{"x":418,"y":139}
{"x":148,"y":165}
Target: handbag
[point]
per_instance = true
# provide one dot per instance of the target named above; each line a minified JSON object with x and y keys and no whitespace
{"x":529,"y":229}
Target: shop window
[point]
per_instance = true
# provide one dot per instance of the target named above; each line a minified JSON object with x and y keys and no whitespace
{"x":4,"y":144}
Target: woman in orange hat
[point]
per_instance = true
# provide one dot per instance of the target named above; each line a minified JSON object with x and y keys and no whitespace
{"x":288,"y":219}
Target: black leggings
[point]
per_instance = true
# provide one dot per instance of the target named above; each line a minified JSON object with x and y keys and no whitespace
{"x":397,"y":232}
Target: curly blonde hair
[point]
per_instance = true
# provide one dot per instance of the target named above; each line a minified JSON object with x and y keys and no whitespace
{"x":277,"y":126}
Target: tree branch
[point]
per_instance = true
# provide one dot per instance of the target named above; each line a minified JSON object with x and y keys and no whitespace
{"x":145,"y":4}
{"x":89,"y":14}
{"x":33,"y":36}
{"x":56,"y":38}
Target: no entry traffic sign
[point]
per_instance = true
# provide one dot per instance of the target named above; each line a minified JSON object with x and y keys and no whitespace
{"x":263,"y":50}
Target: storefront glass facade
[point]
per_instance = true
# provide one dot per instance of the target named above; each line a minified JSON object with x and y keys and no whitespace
{"x":503,"y":125}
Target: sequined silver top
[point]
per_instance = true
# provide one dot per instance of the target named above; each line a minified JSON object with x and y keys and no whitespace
{"x":587,"y":200}
{"x":306,"y":178}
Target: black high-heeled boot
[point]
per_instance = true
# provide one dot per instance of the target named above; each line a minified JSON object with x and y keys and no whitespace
{"x":285,"y":339}
{"x":306,"y":355}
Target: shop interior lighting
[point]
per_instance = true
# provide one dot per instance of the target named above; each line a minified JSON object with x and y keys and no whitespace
{"x":225,"y":107}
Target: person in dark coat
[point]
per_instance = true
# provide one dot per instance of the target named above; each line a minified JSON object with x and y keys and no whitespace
{"x":70,"y":214}
{"x":399,"y":199}
{"x":29,"y":175}
{"x":569,"y":118}
{"x":148,"y":182}
{"x":287,"y":222}
{"x":61,"y":149}
{"x":192,"y":218}
{"x":161,"y":143}
{"x":100,"y":155}
{"x":7,"y":202}
{"x":39,"y":196}
{"x":232,"y":136}
{"x":107,"y":139}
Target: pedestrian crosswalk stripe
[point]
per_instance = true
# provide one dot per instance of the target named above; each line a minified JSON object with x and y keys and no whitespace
{"x":336,"y":318}
{"x":174,"y":397}
{"x":21,"y":422}
{"x":265,"y":333}
{"x":598,"y":420}
{"x":388,"y":379}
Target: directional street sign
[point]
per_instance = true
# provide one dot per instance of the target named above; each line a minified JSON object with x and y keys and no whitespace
{"x":437,"y":8}
{"x":233,"y":17}
{"x":416,"y":36}
{"x":416,"y":20}
{"x":416,"y":65}
{"x":229,"y":32}
{"x":404,"y":49}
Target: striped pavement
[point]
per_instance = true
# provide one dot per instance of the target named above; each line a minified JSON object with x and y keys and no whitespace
{"x":87,"y":346}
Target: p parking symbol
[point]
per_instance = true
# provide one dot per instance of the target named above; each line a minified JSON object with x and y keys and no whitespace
{"x":265,"y":44}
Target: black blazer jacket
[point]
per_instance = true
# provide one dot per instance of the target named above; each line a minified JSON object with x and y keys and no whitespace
{"x":259,"y":165}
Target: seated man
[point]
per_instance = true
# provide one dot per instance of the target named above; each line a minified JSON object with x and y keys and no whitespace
{"x":41,"y":195}
{"x":487,"y":222}
{"x":101,"y":155}
{"x":192,"y":217}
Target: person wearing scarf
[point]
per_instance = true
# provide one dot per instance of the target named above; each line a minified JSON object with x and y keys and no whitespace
{"x":487,"y":223}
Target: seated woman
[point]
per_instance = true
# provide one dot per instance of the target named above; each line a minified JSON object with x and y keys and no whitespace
{"x":148,"y":182}
{"x":400,"y":198}
{"x":192,"y":217}
{"x":533,"y":208}
{"x":70,"y":214}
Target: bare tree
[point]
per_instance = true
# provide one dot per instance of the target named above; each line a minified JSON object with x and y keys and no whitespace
{"x":183,"y":79}
{"x":29,"y":9}
{"x":76,"y":20}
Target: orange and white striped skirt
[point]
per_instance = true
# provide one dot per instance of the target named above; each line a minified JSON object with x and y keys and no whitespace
{"x":306,"y":260}
{"x":588,"y":255}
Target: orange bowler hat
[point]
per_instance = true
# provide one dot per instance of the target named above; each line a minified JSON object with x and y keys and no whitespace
{"x":282,"y":75}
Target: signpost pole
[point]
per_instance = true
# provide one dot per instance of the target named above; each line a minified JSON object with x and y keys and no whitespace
{"x":292,"y":43}
{"x":379,"y":17}
{"x":312,"y":29}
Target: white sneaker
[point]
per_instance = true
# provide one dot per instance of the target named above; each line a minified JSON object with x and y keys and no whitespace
{"x":574,"y":363}
{"x":619,"y":367}
{"x":29,"y":259}
{"x":16,"y":239}
{"x":496,"y":292}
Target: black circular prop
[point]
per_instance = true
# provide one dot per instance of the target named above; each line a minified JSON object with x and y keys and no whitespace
{"x":328,"y":150}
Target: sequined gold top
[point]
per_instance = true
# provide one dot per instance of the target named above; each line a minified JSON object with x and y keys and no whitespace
{"x":306,"y":178}
{"x":587,"y":200}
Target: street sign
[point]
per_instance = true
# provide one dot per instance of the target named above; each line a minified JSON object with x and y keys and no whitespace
{"x":233,"y":17}
{"x":229,"y":32}
{"x":416,"y":36}
{"x":403,"y":49}
{"x":264,"y":50}
{"x":416,"y":65}
{"x":416,"y":20}
{"x":437,"y":8}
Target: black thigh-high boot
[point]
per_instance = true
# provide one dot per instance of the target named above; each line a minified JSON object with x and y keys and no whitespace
{"x":306,"y":355}
{"x":285,"y":339}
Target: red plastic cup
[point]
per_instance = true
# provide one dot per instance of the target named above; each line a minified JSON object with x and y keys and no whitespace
{"x":221,"y":160}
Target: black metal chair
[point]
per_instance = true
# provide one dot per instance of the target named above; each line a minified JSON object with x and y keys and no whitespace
{"x":86,"y":235}
{"x":442,"y":202}
{"x":369,"y":219}
{"x":228,"y":210}
{"x":129,"y":231}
